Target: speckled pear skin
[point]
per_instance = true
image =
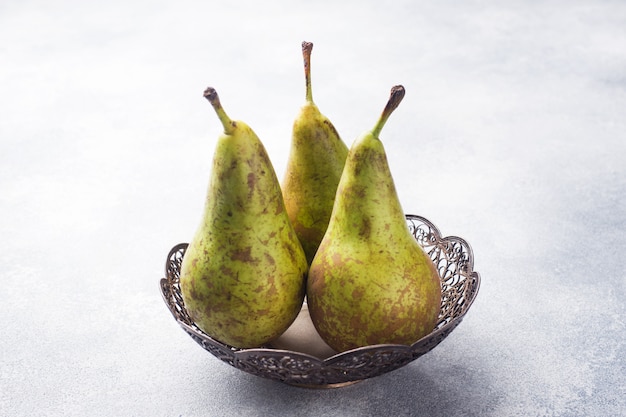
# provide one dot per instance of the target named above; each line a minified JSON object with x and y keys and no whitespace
{"x":370,"y":281}
{"x":314,"y":166}
{"x":243,"y":275}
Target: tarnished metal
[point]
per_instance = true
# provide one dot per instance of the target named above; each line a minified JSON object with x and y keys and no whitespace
{"x":454,"y":260}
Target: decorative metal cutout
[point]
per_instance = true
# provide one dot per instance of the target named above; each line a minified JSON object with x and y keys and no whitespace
{"x":454,"y":260}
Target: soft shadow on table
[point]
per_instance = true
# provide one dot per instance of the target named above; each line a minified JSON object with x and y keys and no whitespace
{"x":441,"y":388}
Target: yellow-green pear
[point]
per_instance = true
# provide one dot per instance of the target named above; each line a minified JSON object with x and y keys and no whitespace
{"x":243,"y":275}
{"x":370,"y":282}
{"x":314,"y":166}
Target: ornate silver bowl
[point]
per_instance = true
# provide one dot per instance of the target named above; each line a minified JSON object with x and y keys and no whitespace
{"x":300,"y":357}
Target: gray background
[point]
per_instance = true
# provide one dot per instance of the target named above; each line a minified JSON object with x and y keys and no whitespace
{"x":512,"y":135}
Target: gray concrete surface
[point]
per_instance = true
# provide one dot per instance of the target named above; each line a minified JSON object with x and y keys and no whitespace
{"x":512,"y":135}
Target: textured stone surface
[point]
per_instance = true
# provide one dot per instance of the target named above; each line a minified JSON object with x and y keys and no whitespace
{"x":511,"y":135}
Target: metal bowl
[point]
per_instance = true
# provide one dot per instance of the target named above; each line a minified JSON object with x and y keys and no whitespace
{"x":300,"y":357}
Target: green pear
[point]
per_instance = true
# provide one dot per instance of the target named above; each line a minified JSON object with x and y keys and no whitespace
{"x":243,"y":276}
{"x":370,"y":281}
{"x":314,"y":166}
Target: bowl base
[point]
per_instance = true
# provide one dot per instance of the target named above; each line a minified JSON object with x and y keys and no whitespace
{"x":325,"y":386}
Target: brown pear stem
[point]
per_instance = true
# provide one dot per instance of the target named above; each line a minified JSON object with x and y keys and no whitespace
{"x":307,"y":47}
{"x":211,"y":95}
{"x":396,"y":96}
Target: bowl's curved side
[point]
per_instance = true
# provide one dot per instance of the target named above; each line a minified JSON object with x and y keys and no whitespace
{"x":170,"y":291}
{"x":454,"y":260}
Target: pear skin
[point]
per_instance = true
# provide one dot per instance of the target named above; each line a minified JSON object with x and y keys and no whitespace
{"x":243,"y":275}
{"x":370,"y":281}
{"x":314,"y":166}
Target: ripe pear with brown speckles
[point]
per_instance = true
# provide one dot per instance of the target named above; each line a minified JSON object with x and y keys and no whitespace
{"x":243,"y":275}
{"x":370,"y":282}
{"x":315,"y":163}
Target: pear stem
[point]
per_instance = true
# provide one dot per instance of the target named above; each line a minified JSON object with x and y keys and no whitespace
{"x":211,"y":95}
{"x":307,"y":47}
{"x":396,"y":96}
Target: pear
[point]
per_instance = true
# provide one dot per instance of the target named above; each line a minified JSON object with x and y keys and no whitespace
{"x":243,"y":275}
{"x":370,"y":282}
{"x":314,"y":166}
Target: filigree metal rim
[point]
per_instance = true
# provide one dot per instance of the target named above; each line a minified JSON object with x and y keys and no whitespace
{"x":454,"y":259}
